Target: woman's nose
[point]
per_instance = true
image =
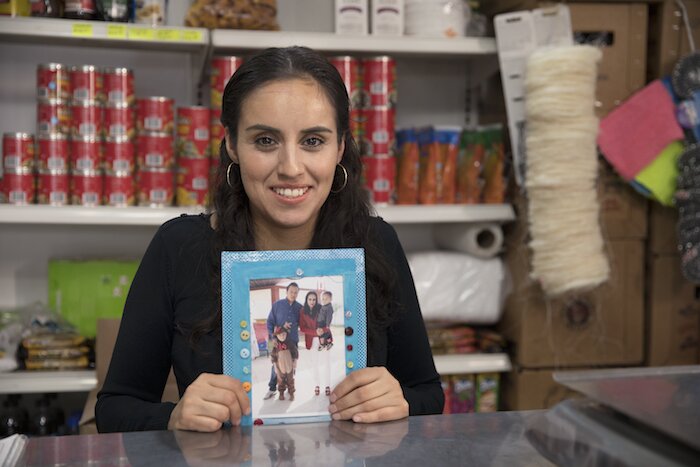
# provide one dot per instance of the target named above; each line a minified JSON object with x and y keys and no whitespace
{"x":290,"y":164}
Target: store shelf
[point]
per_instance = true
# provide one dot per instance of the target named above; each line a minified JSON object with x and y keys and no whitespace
{"x":472,"y":363}
{"x":99,"y":33}
{"x":24,"y":382}
{"x":105,"y":215}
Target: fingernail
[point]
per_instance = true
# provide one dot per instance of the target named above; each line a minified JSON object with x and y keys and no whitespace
{"x":247,"y":411}
{"x":336,"y":416}
{"x":357,"y":418}
{"x":332,"y":408}
{"x":333,"y":397}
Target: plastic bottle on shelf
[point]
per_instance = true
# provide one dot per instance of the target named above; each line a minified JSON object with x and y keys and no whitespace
{"x":43,"y":420}
{"x":13,"y":418}
{"x":47,"y":8}
{"x":80,"y":9}
{"x":114,"y":10}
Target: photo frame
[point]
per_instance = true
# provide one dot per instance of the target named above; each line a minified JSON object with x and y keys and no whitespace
{"x":308,"y":356}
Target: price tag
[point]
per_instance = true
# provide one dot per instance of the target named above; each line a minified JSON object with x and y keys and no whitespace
{"x":82,"y":30}
{"x":191,"y":35}
{"x":116,"y":31}
{"x":142,"y":34}
{"x":168,"y":35}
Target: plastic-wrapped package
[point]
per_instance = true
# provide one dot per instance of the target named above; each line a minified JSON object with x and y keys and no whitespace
{"x":456,"y":287}
{"x":233,"y":14}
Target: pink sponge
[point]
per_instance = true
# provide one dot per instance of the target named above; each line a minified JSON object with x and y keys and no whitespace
{"x":633,"y":134}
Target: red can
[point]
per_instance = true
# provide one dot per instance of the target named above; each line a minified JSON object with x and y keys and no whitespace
{"x":155,"y":114}
{"x":53,"y":116}
{"x":19,"y":186}
{"x":86,"y":153}
{"x":155,"y":187}
{"x":119,"y":85}
{"x":192,"y":181}
{"x":119,"y":121}
{"x":17,"y":150}
{"x":380,"y":81}
{"x":53,"y":152}
{"x":119,"y":155}
{"x":119,"y":189}
{"x":53,"y":187}
{"x":222,"y":68}
{"x":86,"y":118}
{"x":380,"y":134}
{"x":155,"y":151}
{"x":357,"y":124}
{"x":52,"y":81}
{"x":380,"y":177}
{"x":86,"y":84}
{"x":86,"y":187}
{"x":193,"y":131}
{"x":216,"y":130}
{"x":350,"y":70}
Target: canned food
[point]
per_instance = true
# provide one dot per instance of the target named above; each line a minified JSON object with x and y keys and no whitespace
{"x":155,"y":187}
{"x":380,"y":81}
{"x":86,"y":119}
{"x":17,"y":150}
{"x":53,"y":152}
{"x":193,"y":131}
{"x":86,"y":187}
{"x":86,"y":84}
{"x":155,"y":151}
{"x":86,"y":153}
{"x":357,"y":124}
{"x":380,"y":134}
{"x":192,"y":182}
{"x":222,"y":68}
{"x":216,"y":130}
{"x":155,"y":114}
{"x":350,"y":70}
{"x":53,"y":187}
{"x":52,"y":81}
{"x":53,"y":116}
{"x":119,"y":155}
{"x":119,"y":121}
{"x":119,"y":189}
{"x":119,"y":85}
{"x":19,"y":186}
{"x":380,"y":176}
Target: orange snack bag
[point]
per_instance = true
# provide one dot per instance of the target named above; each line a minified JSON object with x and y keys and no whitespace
{"x":409,"y":167}
{"x":494,"y":190}
{"x":430,"y":166}
{"x":471,"y":157}
{"x":448,"y":138}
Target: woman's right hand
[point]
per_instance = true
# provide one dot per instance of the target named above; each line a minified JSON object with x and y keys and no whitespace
{"x":208,"y":402}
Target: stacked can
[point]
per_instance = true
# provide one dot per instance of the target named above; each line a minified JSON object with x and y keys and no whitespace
{"x":379,"y":141}
{"x":155,"y":156}
{"x":193,"y":156}
{"x":18,"y":162}
{"x":222,"y":68}
{"x":120,"y":134}
{"x":350,"y":69}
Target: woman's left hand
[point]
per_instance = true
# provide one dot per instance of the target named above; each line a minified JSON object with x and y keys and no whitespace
{"x":368,"y":395}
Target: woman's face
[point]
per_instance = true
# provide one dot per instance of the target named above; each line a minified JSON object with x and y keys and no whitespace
{"x":287,"y":150}
{"x":311,"y":300}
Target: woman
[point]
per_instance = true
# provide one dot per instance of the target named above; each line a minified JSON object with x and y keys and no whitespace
{"x":288,"y":178}
{"x":319,"y":360}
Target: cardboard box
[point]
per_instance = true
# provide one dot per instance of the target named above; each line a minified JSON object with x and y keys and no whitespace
{"x":623,"y":211}
{"x":530,"y":390}
{"x":673,"y":315}
{"x":663,"y":224}
{"x":668,"y":36}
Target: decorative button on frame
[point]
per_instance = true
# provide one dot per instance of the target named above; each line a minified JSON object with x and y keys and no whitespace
{"x":245,"y":353}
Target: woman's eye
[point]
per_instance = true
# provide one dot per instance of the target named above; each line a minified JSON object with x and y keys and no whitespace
{"x":264,"y":141}
{"x":313,"y":142}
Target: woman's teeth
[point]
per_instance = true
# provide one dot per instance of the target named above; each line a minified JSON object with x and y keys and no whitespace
{"x":290,"y":193}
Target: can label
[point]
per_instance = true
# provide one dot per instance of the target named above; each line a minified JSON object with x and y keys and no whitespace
{"x":380,"y":81}
{"x":17,"y":151}
{"x":53,"y":153}
{"x":19,"y":186}
{"x":350,"y":70}
{"x":86,"y":188}
{"x":192,"y":182}
{"x":155,"y":187}
{"x":155,"y":151}
{"x":53,"y":187}
{"x":86,"y":84}
{"x":85,"y":154}
{"x":119,"y":155}
{"x":379,"y":135}
{"x":52,"y":82}
{"x":193,"y":131}
{"x":155,"y":114}
{"x":87,"y":119}
{"x":357,"y":124}
{"x":217,"y":133}
{"x":119,"y":189}
{"x":53,"y":116}
{"x":380,"y":176}
{"x":222,"y":68}
{"x":119,"y":122}
{"x":119,"y":86}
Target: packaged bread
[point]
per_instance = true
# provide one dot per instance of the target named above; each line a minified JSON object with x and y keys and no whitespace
{"x":448,"y":139}
{"x":233,"y":14}
{"x":407,"y":183}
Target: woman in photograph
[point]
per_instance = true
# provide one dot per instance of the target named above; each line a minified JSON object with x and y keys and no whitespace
{"x":289,"y":177}
{"x":320,"y":361}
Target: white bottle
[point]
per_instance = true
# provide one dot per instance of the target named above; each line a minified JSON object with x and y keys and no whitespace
{"x":387,"y":17}
{"x":351,"y":17}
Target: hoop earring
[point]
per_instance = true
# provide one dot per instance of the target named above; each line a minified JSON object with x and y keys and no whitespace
{"x":228,"y":175}
{"x":345,"y":182}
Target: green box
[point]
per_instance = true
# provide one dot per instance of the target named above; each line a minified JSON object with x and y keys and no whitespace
{"x":84,"y":291}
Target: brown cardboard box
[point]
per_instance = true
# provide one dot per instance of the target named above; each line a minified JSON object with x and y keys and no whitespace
{"x":663,"y":237}
{"x":533,"y":389}
{"x":668,"y":36}
{"x":673,"y":315}
{"x":623,"y":211}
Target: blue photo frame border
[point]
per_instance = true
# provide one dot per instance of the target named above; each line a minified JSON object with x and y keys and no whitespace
{"x":238,"y":268}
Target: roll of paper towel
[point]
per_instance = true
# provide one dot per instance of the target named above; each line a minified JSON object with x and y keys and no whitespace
{"x":480,"y":240}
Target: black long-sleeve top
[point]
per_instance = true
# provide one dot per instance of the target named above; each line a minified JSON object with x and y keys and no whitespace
{"x":172,"y":290}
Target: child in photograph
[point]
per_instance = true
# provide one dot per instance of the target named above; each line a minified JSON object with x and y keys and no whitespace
{"x":284,"y":357}
{"x":323,"y":321}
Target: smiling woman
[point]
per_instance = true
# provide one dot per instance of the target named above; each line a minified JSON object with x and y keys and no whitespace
{"x":288,"y":178}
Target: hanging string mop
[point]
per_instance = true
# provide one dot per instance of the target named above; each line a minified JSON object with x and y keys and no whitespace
{"x":562,"y":168}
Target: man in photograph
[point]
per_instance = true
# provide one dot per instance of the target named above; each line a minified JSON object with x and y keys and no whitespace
{"x":284,"y":314}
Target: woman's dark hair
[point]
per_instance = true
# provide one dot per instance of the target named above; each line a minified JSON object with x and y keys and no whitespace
{"x":344,"y":219}
{"x":313,"y":312}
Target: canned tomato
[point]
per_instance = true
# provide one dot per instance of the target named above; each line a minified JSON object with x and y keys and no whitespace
{"x":17,"y":150}
{"x":86,"y":187}
{"x":155,"y":151}
{"x":155,"y":114}
{"x":53,"y":152}
{"x":222,"y":68}
{"x":119,"y":121}
{"x":53,"y":187}
{"x":118,"y":85}
{"x":379,"y":134}
{"x":216,"y":131}
{"x":52,"y":81}
{"x":119,"y":189}
{"x":119,"y":155}
{"x":380,"y":176}
{"x":380,"y":81}
{"x":53,"y":116}
{"x":85,"y":153}
{"x":19,"y":186}
{"x":155,"y":187}
{"x":193,"y":131}
{"x":192,"y":181}
{"x":357,"y":124}
{"x":86,"y":84}
{"x":86,"y":118}
{"x":350,"y":70}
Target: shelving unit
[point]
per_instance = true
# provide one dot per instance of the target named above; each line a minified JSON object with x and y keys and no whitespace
{"x":472,"y":363}
{"x":32,"y":382}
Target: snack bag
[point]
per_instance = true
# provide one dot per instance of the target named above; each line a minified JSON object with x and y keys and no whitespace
{"x":469,"y":166}
{"x":494,"y":189}
{"x":430,"y":165}
{"x":233,"y":14}
{"x":487,"y":392}
{"x":448,"y":138}
{"x":409,"y":166}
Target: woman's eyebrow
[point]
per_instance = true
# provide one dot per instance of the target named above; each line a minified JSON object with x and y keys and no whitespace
{"x":260,"y":127}
{"x":317,"y":129}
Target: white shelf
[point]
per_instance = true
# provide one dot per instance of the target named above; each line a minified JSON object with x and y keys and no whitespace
{"x":472,"y":363}
{"x":99,"y":33}
{"x":24,"y":382}
{"x":37,"y":214}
